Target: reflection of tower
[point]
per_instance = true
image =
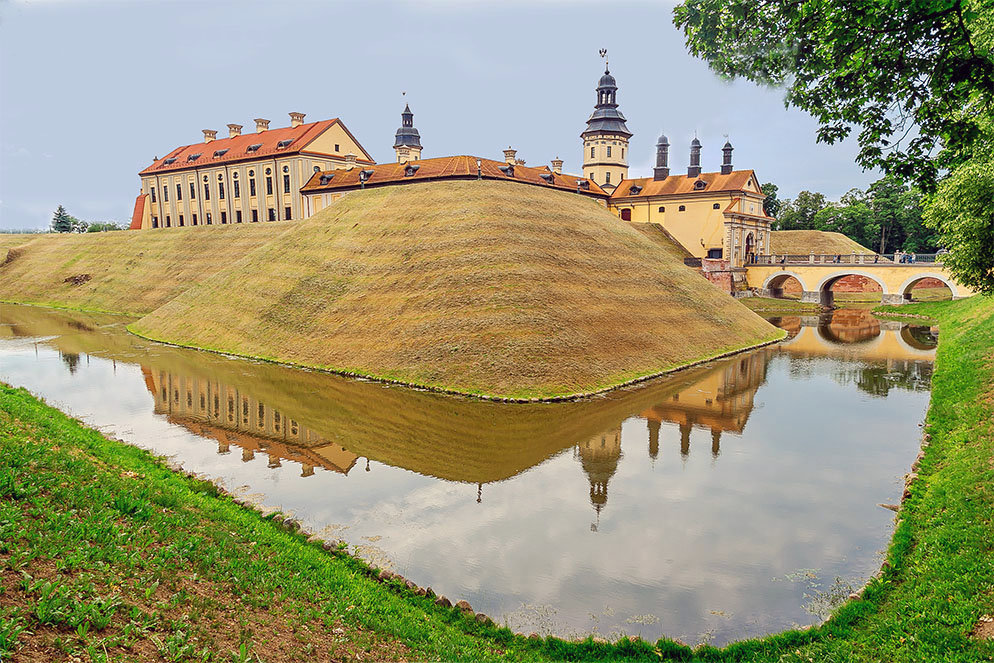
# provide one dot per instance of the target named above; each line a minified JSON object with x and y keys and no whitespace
{"x":599,"y":457}
{"x":685,"y":428}
{"x":715,"y":441}
{"x":654,"y":425}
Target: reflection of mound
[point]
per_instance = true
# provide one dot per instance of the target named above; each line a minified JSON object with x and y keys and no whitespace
{"x":849,"y":327}
{"x":447,"y":437}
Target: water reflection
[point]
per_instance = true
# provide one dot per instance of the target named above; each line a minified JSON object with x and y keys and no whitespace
{"x":698,"y":541}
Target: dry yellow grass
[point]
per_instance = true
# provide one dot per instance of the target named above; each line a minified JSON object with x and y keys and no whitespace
{"x":814,"y":241}
{"x":479,"y":287}
{"x":129,"y":271}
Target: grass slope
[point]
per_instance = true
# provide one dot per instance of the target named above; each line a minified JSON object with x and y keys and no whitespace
{"x":478,"y":287}
{"x":800,"y":242}
{"x":129,"y":272}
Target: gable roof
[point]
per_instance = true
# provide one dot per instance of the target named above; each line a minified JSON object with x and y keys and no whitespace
{"x":454,"y":167}
{"x":228,"y":150}
{"x":136,"y":217}
{"x":732,"y":210}
{"x":679,"y":185}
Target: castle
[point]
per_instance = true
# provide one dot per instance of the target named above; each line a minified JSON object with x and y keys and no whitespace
{"x":296,"y":171}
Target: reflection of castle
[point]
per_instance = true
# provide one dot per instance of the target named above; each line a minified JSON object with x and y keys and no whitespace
{"x":720,"y":401}
{"x":212,"y":409}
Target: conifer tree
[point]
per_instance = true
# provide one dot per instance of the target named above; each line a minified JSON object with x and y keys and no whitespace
{"x":63,"y":221}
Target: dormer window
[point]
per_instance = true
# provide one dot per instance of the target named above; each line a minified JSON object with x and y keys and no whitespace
{"x":634,"y":190}
{"x":194,"y":157}
{"x":253,"y":148}
{"x":283,"y":144}
{"x":699,"y":185}
{"x":583,"y":184}
{"x":327,"y":177}
{"x":507,"y":169}
{"x":220,"y":153}
{"x":548,"y":177}
{"x":410,"y":170}
{"x":169,"y":161}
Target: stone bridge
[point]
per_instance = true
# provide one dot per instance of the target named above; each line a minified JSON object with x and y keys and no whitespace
{"x":896,"y":275}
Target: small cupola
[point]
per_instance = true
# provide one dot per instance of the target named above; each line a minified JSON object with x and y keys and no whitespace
{"x":694,"y":169}
{"x":407,"y":140}
{"x":726,"y":158}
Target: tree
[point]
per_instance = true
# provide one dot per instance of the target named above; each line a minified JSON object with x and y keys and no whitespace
{"x":99,"y":227}
{"x":799,"y":213}
{"x":962,"y":212}
{"x":772,"y":204}
{"x":852,"y":217}
{"x":63,"y":221}
{"x":915,"y":77}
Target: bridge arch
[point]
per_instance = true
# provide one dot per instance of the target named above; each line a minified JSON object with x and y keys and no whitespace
{"x":905,"y":289}
{"x":773,"y":285}
{"x":824,"y":290}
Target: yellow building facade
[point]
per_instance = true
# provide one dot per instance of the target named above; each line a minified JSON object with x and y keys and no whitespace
{"x":244,"y":178}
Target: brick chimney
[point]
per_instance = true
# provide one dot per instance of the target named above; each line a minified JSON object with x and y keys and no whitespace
{"x":557,"y":166}
{"x":350,"y":162}
{"x":509,"y":155}
{"x":209,"y":135}
{"x":234,"y":130}
{"x":261,"y":125}
{"x":296,"y":119}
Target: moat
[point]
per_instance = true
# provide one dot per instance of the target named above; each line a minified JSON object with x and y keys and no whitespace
{"x":727,"y":501}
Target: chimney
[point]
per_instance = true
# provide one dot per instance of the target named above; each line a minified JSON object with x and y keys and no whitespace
{"x":209,"y":135}
{"x":694,"y":169}
{"x":726,"y":158}
{"x":234,"y":130}
{"x":662,"y":169}
{"x":557,"y":166}
{"x":350,"y":162}
{"x":296,"y":119}
{"x":261,"y":125}
{"x":509,"y":155}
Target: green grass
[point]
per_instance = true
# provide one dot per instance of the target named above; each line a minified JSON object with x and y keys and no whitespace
{"x":104,"y":549}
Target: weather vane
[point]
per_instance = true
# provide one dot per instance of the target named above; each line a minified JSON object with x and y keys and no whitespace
{"x":604,"y":55}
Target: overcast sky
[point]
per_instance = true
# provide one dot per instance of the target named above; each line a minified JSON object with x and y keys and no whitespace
{"x":91,"y":91}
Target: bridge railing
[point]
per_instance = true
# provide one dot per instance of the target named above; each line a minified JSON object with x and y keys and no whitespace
{"x":845,"y":259}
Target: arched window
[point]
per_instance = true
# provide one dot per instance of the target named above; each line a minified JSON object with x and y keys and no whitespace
{"x":683,"y":208}
{"x":662,"y":209}
{"x":716,"y":206}
{"x":626,"y":214}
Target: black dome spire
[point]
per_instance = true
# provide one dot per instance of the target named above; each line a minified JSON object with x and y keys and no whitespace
{"x":407,"y":135}
{"x":606,"y":116}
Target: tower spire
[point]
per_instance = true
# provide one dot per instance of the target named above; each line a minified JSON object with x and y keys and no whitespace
{"x":407,"y":140}
{"x":605,"y":141}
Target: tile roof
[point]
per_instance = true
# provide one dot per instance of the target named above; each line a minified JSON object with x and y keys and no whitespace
{"x":236,"y":148}
{"x":681,"y":184}
{"x":136,"y":217}
{"x":454,"y":167}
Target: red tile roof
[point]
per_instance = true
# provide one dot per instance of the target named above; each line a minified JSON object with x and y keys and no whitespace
{"x":681,"y":184}
{"x":136,"y":217}
{"x":237,"y":147}
{"x":455,"y":167}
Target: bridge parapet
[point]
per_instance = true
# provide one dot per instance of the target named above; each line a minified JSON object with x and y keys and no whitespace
{"x":879,"y":259}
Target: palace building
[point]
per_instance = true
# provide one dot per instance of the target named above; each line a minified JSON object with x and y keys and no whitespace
{"x":716,"y":215}
{"x":244,"y":177}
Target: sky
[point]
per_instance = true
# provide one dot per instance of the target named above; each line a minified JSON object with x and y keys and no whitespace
{"x":92,"y":91}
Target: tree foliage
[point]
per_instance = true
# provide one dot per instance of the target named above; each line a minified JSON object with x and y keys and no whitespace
{"x":63,"y":221}
{"x":912,"y":76}
{"x":962,"y":211}
{"x":887,"y":217}
{"x":772,"y":204}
